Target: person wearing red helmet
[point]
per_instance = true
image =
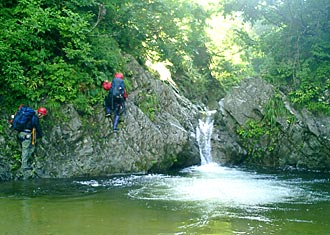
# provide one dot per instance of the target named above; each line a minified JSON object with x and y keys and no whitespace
{"x":115,"y":100}
{"x":42,"y":111}
{"x":119,"y":75}
{"x":28,"y":135}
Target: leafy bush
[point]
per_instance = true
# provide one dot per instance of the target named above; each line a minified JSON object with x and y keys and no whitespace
{"x":260,"y":138}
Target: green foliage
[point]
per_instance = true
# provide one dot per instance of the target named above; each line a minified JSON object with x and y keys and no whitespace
{"x":16,"y":161}
{"x":174,"y":32}
{"x":193,"y":82}
{"x":232,"y":47}
{"x":260,"y":137}
{"x":58,"y":51}
{"x":313,"y":91}
{"x":149,"y":105}
{"x":12,"y":154}
{"x":293,"y":41}
{"x":81,"y":104}
{"x":47,"y":52}
{"x":251,"y":134}
{"x":275,"y":109}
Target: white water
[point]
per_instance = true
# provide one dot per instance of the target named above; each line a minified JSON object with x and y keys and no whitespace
{"x":208,"y":183}
{"x":203,"y":135}
{"x":208,"y":187}
{"x":214,"y":184}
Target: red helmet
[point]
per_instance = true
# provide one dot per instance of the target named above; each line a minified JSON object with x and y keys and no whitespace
{"x":42,"y":111}
{"x":119,"y":75}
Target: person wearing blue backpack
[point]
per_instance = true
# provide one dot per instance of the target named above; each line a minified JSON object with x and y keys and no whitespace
{"x":26,"y":122}
{"x":115,"y":100}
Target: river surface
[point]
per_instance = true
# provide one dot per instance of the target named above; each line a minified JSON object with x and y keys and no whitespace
{"x":207,"y":199}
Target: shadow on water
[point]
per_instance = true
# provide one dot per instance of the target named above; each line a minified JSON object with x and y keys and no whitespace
{"x":43,"y":188}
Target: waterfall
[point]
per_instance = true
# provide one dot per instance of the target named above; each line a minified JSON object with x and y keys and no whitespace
{"x":203,"y":135}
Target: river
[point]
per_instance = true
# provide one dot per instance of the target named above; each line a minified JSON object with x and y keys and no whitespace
{"x":209,"y":200}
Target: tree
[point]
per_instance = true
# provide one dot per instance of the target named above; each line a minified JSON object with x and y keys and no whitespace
{"x":44,"y":51}
{"x":60,"y":51}
{"x":293,"y":38}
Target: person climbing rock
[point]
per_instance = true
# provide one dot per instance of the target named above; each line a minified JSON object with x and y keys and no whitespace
{"x":26,"y":122}
{"x":116,"y":98}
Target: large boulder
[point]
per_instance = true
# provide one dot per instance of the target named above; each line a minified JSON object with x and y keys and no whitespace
{"x":302,"y":141}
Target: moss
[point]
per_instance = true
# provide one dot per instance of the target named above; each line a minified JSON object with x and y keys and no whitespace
{"x":163,"y":166}
{"x":149,"y":105}
{"x":260,"y":138}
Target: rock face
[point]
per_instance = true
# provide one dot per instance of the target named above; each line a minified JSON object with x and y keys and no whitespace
{"x":158,"y":139}
{"x":303,"y":142}
{"x":157,"y":133}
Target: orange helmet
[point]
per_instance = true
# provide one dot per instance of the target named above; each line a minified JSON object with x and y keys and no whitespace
{"x":42,"y":111}
{"x":119,"y":75}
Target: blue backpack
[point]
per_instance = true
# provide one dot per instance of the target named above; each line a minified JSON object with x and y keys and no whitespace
{"x":117,"y":88}
{"x":22,"y":117}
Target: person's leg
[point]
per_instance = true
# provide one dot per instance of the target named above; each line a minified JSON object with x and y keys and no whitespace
{"x":117,"y":105}
{"x":115,"y":122}
{"x":27,"y":151}
{"x":108,"y":105}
